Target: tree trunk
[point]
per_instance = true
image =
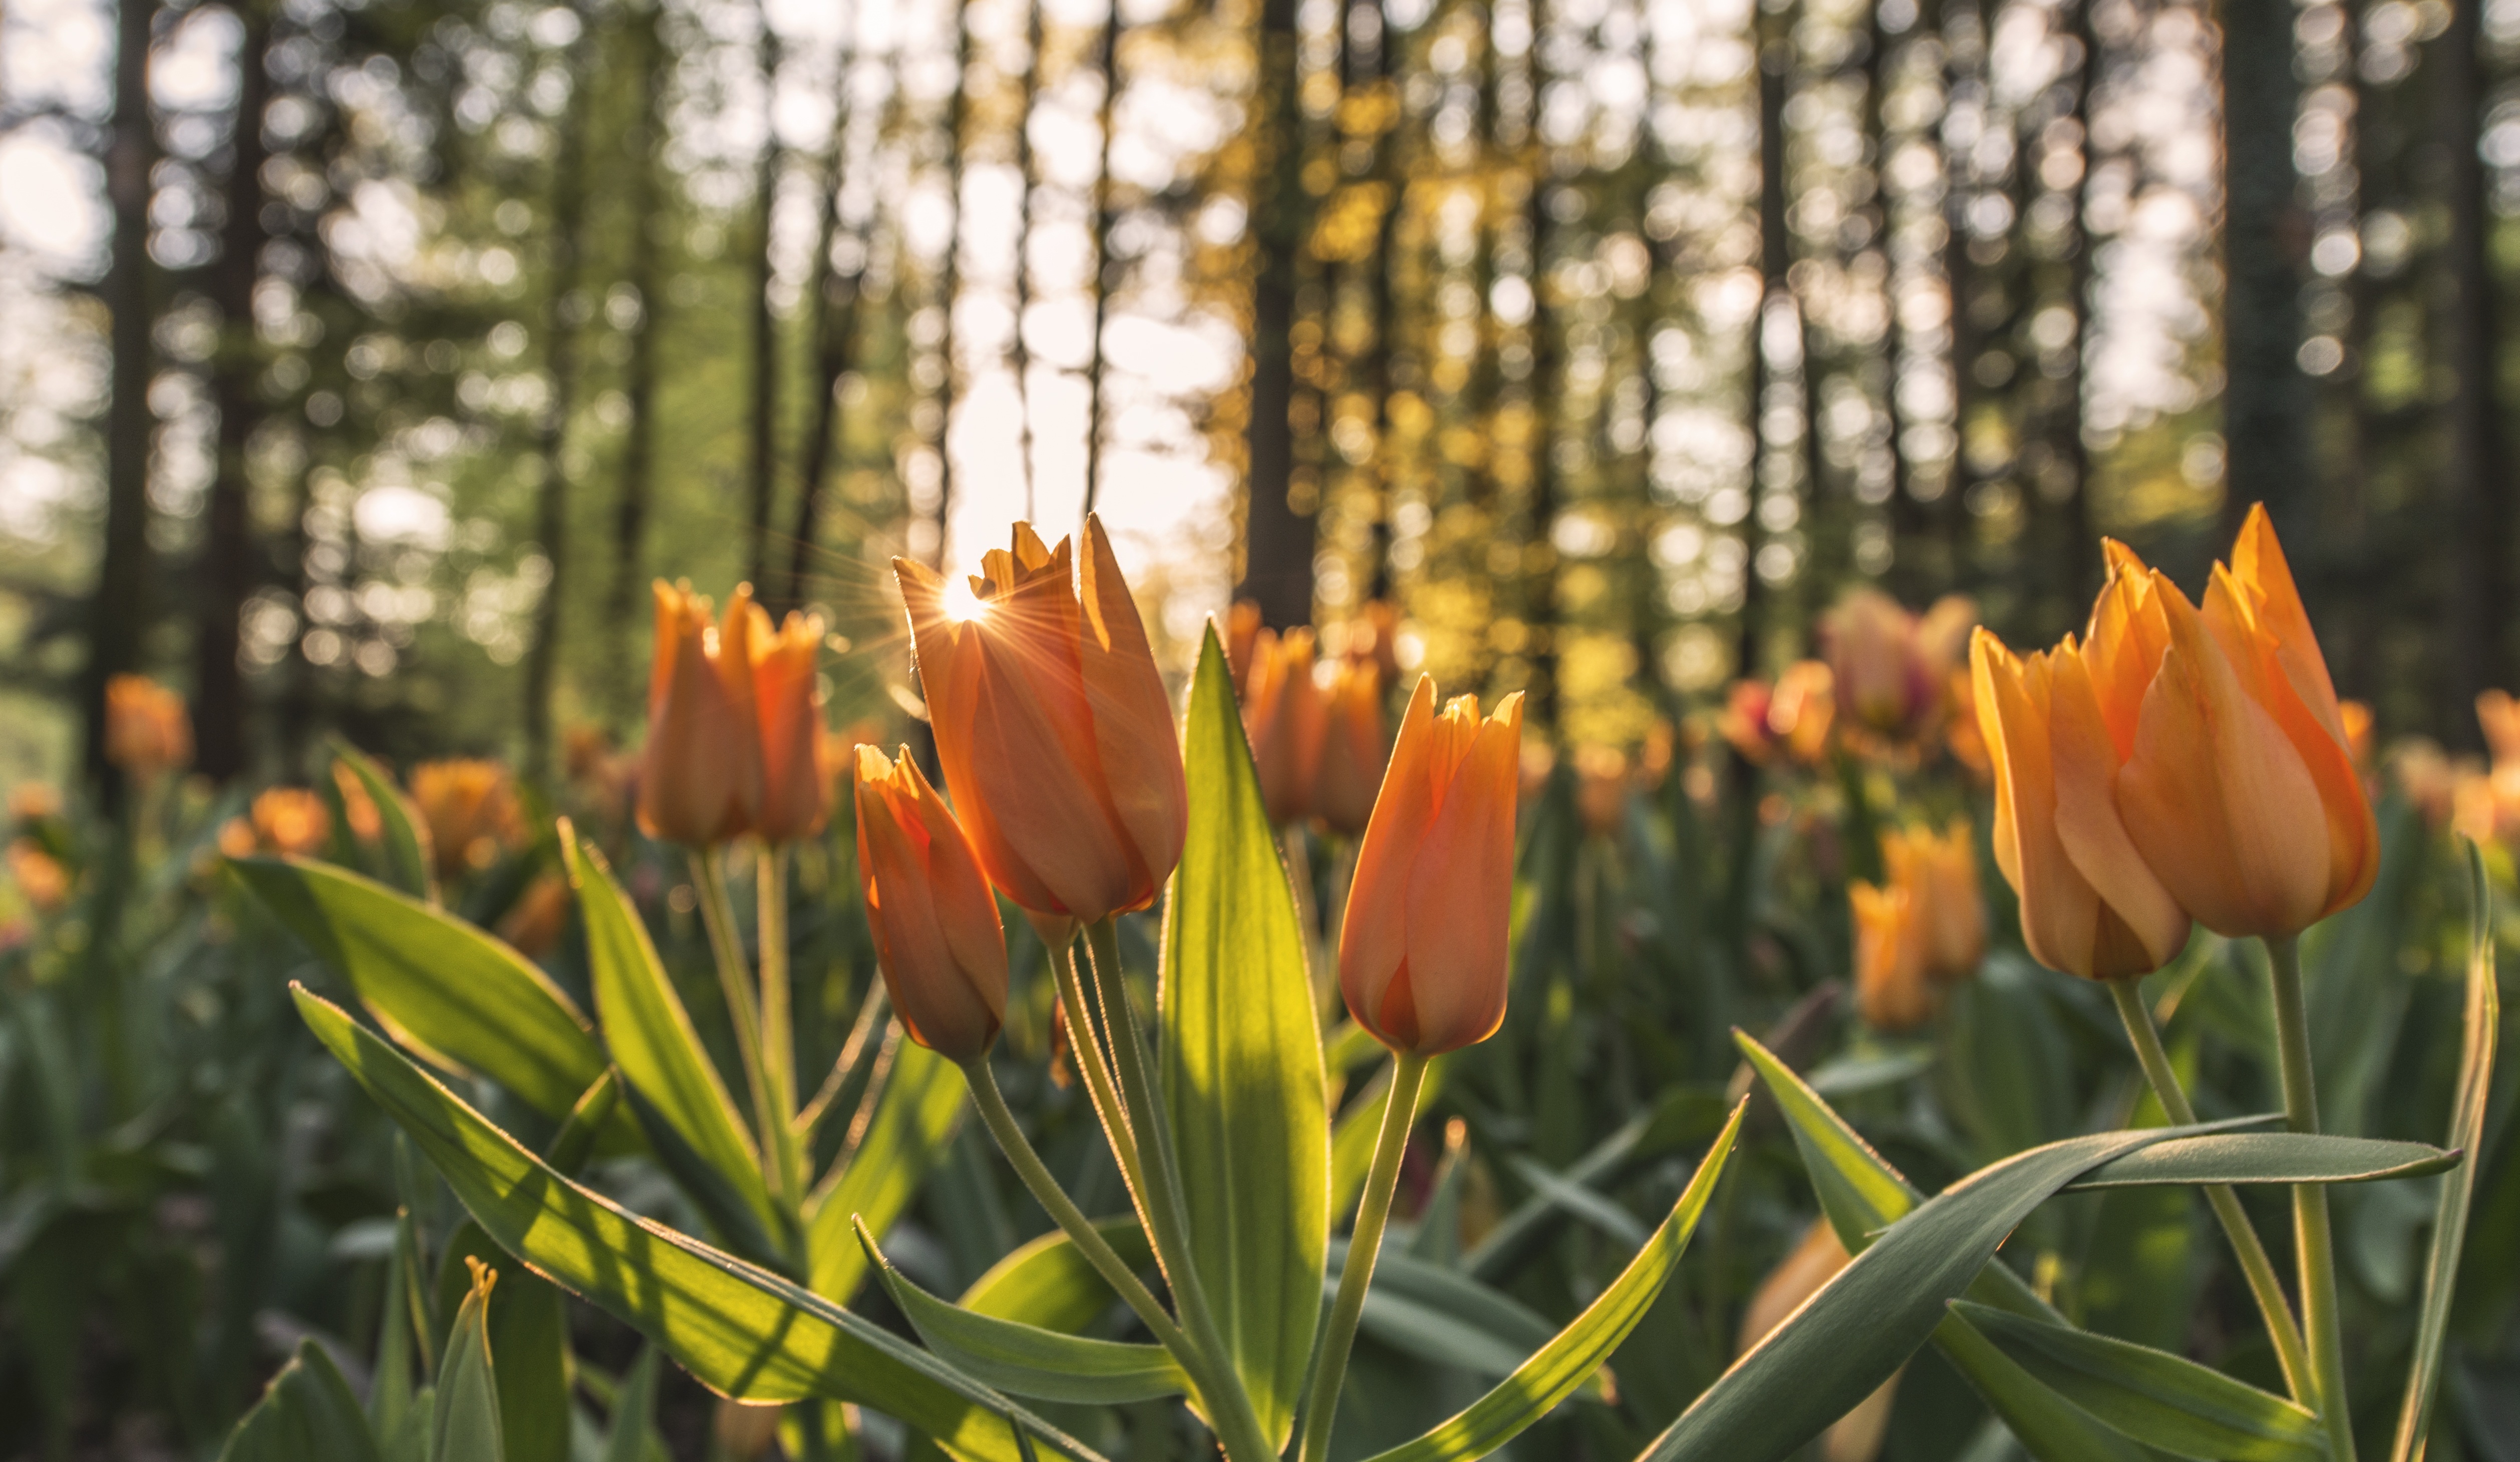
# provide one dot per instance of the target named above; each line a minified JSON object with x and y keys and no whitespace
{"x":1029,"y":98}
{"x":639,"y":450}
{"x":230,"y":560}
{"x":834,"y":335}
{"x":957,"y":112}
{"x":2266,"y":398}
{"x":1539,"y":550}
{"x":560,"y":364}
{"x":2079,"y":571}
{"x":2479,"y":482}
{"x":764,"y":423}
{"x":1277,"y":530}
{"x":1775,"y":55}
{"x":1105,"y":272}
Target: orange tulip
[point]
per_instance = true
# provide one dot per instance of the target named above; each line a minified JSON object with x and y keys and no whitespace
{"x":1855,"y":1436}
{"x":2091,"y":905}
{"x":41,"y":879}
{"x":2499,"y":715}
{"x":470,"y":807}
{"x":1891,"y":990}
{"x":358,"y":808}
{"x":1880,"y":679}
{"x":791,"y":719}
{"x":1373,"y":637}
{"x":146,"y":730}
{"x":1422,"y":951}
{"x":289,"y":820}
{"x":1602,"y":788}
{"x":1282,"y":712}
{"x":1242,"y":632}
{"x":937,"y":932}
{"x":2238,"y":786}
{"x":700,"y":778}
{"x":1053,"y":727}
{"x":533,"y":924}
{"x":1354,"y":750}
{"x":1940,"y":874}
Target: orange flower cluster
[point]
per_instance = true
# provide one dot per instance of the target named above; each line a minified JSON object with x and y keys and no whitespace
{"x":470,"y":807}
{"x":2179,"y":762}
{"x":732,"y":723}
{"x":290,"y":822}
{"x":1316,"y":734}
{"x":1923,"y":928}
{"x":146,"y":730}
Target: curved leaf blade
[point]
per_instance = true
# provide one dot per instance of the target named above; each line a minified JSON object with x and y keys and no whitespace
{"x":2268,"y":1157}
{"x":1048,"y":1282}
{"x":409,"y":858}
{"x":307,"y":1414}
{"x":915,"y":1112}
{"x":1551,"y":1376}
{"x":743,"y":1331}
{"x":1027,"y":1359}
{"x":2053,"y":1427}
{"x":467,"y":1426}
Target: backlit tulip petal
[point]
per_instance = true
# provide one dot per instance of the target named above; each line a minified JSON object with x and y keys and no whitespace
{"x":1283,"y":716}
{"x":937,"y":938}
{"x":700,"y":778}
{"x":2085,"y":763}
{"x":792,"y":802}
{"x":1353,"y":751}
{"x":1891,"y":990}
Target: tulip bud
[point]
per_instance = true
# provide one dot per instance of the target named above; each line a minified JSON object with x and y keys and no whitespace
{"x":1891,"y":990}
{"x":1282,"y":712}
{"x":1423,"y":950}
{"x":41,"y":879}
{"x":289,"y":820}
{"x":1053,"y":725}
{"x":936,"y":933}
{"x":1939,"y":875}
{"x":470,"y":807}
{"x":784,"y":702}
{"x":700,"y":778}
{"x":1354,"y":750}
{"x":1802,"y":709}
{"x":146,"y":730}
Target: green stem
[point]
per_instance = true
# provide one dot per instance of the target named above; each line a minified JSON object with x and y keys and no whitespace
{"x":1363,"y":1244}
{"x":2314,"y":1243}
{"x":734,"y":982}
{"x":2255,"y":1266}
{"x":1167,"y":1216}
{"x":1085,"y":1051}
{"x":777,"y":1030}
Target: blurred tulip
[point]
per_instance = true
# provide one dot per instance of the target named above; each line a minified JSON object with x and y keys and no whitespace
{"x":146,"y":730}
{"x":2238,"y":786}
{"x":2499,"y":715}
{"x":1939,"y":872}
{"x":2425,"y":777}
{"x":935,"y":922}
{"x":358,"y":808}
{"x":1858,"y":1435}
{"x":470,"y":807}
{"x":1053,"y":725}
{"x":700,"y":778}
{"x":2356,"y":719}
{"x":1422,"y":951}
{"x":533,"y":925}
{"x":33,"y":802}
{"x":1601,"y":782}
{"x":1802,"y":708}
{"x":41,"y":879}
{"x":790,"y":721}
{"x":1242,"y":632}
{"x":1743,"y":721}
{"x":1283,"y":715}
{"x":1372,"y":640}
{"x":1891,"y":990}
{"x":1881,"y":680}
{"x":290,"y":822}
{"x":1353,"y":749}
{"x":2091,"y":905}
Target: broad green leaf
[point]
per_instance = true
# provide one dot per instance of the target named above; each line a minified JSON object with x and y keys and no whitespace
{"x":916,"y":1109}
{"x":307,"y":1414}
{"x":1027,"y":1359}
{"x":651,"y":1037}
{"x":528,"y":1320}
{"x":468,"y":1393}
{"x":1049,"y":1283}
{"x":740,"y":1329}
{"x":441,"y":986}
{"x":1865,"y":1323}
{"x":634,"y":1411}
{"x":2269,"y":1158}
{"x":1242,"y":1076}
{"x":2154,"y":1396}
{"x":2053,"y":1427}
{"x":410,"y":862}
{"x":2475,"y":1090}
{"x":1580,"y":1350}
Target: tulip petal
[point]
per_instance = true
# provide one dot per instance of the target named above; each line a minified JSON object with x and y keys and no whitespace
{"x":2060,"y":907}
{"x":2088,"y":822}
{"x":1461,"y":892}
{"x":1374,"y":938}
{"x":1987,"y":658}
{"x":1132,"y":718}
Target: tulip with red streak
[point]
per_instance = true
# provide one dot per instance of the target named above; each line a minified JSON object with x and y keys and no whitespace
{"x":937,"y":938}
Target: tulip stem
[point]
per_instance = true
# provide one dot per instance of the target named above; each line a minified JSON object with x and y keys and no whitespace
{"x":778,"y":1032}
{"x":2255,"y":1266}
{"x":717,"y":914}
{"x":2314,"y":1243}
{"x":1085,"y":1050}
{"x":1364,"y":1245}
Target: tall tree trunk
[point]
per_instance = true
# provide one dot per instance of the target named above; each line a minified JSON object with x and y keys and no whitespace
{"x":230,"y":560}
{"x":1384,"y":471}
{"x":2479,"y":486}
{"x":1028,"y":96}
{"x":1962,"y":19}
{"x":950,"y":287}
{"x":835,"y":335}
{"x":638,"y":385}
{"x":118,"y":613}
{"x":1277,"y":530}
{"x":1540,"y":550}
{"x":1906,"y":521}
{"x":764,"y":424}
{"x":1106,"y":271}
{"x":2266,"y":398}
{"x":1775,"y":56}
{"x":560,"y":364}
{"x":2079,"y":569}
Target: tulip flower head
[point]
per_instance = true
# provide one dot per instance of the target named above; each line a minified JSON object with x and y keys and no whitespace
{"x":791,"y":719}
{"x":146,"y":730}
{"x":1053,"y":725}
{"x":1940,"y":874}
{"x":470,"y":807}
{"x":1242,"y":632}
{"x":935,"y":922}
{"x":1421,"y":953}
{"x":289,"y":820}
{"x":41,"y":880}
{"x":1354,"y":748}
{"x":1283,"y":715}
{"x":1891,"y":990}
{"x":700,"y":778}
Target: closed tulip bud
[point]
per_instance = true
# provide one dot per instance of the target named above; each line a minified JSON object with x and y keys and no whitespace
{"x":700,"y":778}
{"x":470,"y":807}
{"x":2091,"y":905}
{"x":1053,"y":725}
{"x":1283,"y":715}
{"x":792,"y":804}
{"x":1353,"y":749}
{"x":2239,"y":787}
{"x":935,"y":922}
{"x":146,"y":730}
{"x":1940,"y":874}
{"x":1881,"y":680}
{"x":1421,"y":954}
{"x":1891,"y":990}
{"x":289,"y":820}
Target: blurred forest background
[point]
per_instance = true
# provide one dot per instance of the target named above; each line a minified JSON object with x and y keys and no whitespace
{"x":361,"y":361}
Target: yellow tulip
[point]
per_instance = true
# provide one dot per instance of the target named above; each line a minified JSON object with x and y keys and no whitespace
{"x":1354,"y":748}
{"x":1053,"y":727}
{"x":699,"y":777}
{"x":937,"y":938}
{"x":791,"y":719}
{"x":1940,"y":874}
{"x":1283,"y":715}
{"x":1891,"y":990}
{"x":1422,"y":957}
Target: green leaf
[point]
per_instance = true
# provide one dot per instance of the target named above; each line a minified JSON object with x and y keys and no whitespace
{"x":307,"y":1414}
{"x":1880,"y":1308}
{"x":1585,"y":1203}
{"x":2475,"y":1090}
{"x":1575,"y":1352}
{"x":652,"y":1036}
{"x":1244,"y":1082}
{"x":2154,"y":1396}
{"x":919,"y":1103}
{"x":740,"y":1329}
{"x":2053,"y":1427}
{"x":634,"y":1411}
{"x":2268,"y":1157}
{"x":1049,"y":1282}
{"x":440,"y":986}
{"x":1681,"y":1116}
{"x":528,"y":1320}
{"x":1446,"y":1317}
{"x":1027,"y":1359}
{"x":410,"y":863}
{"x":468,"y":1393}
